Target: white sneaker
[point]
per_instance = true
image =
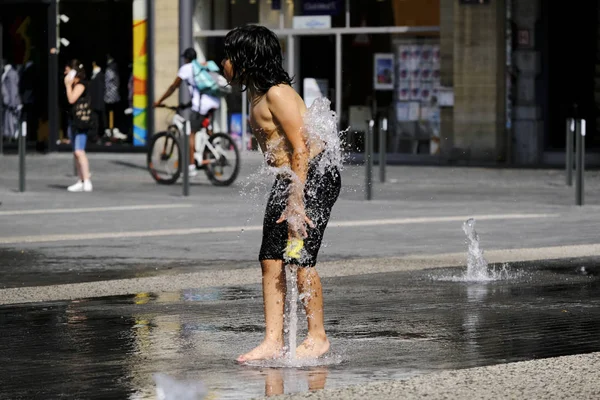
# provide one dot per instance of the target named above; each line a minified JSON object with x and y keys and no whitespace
{"x":78,"y":187}
{"x":192,"y":171}
{"x":117,"y":134}
{"x":87,"y":186}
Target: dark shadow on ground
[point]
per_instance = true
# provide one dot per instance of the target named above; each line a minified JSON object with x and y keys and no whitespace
{"x":129,"y":164}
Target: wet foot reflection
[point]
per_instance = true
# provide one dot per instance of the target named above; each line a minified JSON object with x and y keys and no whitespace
{"x":275,"y":382}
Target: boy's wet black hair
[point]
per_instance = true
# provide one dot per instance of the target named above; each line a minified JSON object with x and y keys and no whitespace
{"x":255,"y":53}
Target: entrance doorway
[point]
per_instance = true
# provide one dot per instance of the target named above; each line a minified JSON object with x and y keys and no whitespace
{"x":570,"y":76}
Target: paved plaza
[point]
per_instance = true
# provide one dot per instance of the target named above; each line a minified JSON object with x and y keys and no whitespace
{"x":101,"y":291}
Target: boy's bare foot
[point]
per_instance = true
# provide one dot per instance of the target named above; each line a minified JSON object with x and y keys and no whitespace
{"x":312,"y":347}
{"x":265,"y":351}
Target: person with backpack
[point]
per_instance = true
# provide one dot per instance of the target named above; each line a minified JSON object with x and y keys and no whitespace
{"x":205,"y":85}
{"x":81,"y":112}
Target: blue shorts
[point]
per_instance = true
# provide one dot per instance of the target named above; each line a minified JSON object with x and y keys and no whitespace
{"x":80,"y":141}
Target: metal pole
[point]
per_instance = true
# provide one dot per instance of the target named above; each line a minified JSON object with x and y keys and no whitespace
{"x":580,"y":160}
{"x":369,"y":161}
{"x":22,"y":144}
{"x":569,"y":151}
{"x":338,"y":76}
{"x":186,"y":11}
{"x":186,"y":158}
{"x":291,"y":55}
{"x":382,"y":148}
{"x":347,"y":13}
{"x":245,"y":120}
{"x":150,"y":15}
{"x":282,"y":15}
{"x":53,"y":111}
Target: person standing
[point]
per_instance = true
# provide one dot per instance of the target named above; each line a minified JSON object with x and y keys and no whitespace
{"x":302,"y":195}
{"x":78,"y":96}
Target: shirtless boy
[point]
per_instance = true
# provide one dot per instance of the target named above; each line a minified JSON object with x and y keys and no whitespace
{"x":301,"y":198}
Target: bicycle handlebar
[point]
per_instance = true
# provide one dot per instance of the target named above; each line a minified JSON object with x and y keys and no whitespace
{"x":175,"y":108}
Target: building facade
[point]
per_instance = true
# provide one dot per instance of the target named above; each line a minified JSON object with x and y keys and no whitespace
{"x":458,"y":81}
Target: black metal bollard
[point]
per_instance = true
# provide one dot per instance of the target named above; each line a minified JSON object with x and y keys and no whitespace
{"x":22,"y":150}
{"x":382,"y":148}
{"x":185,"y":147}
{"x":569,"y":151}
{"x":580,"y":161}
{"x":369,"y":161}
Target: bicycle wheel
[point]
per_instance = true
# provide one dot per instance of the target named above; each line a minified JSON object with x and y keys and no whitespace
{"x":164,"y":158}
{"x":223,"y":167}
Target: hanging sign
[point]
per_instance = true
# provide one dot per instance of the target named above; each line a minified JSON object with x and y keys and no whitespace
{"x":321,"y":7}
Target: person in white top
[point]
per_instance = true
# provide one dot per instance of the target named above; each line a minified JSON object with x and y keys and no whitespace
{"x":203,"y":105}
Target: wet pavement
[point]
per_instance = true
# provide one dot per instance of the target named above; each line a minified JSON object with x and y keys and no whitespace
{"x":382,"y":326}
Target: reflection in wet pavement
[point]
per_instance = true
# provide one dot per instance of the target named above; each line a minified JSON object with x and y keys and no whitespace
{"x":383,"y":326}
{"x":22,"y":268}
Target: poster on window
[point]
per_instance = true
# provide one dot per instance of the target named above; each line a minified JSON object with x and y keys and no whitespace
{"x":403,"y":90}
{"x":426,"y":91}
{"x":415,"y":90}
{"x":436,"y":56}
{"x":426,"y":54}
{"x":426,"y":72}
{"x":235,"y":129}
{"x":383,"y":71}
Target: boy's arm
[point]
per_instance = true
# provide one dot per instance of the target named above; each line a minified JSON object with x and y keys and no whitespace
{"x":282,"y":104}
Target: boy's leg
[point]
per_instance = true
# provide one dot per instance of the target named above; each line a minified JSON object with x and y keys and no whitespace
{"x":274,"y":287}
{"x":316,"y":343}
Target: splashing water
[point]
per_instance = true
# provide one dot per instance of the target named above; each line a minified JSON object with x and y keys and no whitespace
{"x":477,"y":265}
{"x":292,"y":318}
{"x":478,"y":269}
{"x":320,"y":124}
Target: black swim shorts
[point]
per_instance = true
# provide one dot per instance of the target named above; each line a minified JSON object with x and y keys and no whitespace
{"x":320,"y":194}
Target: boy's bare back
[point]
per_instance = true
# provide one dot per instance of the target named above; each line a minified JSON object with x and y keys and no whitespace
{"x":272,"y":134}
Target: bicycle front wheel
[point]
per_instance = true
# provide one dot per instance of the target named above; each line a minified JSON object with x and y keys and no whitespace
{"x":164,"y":158}
{"x":223,"y":165}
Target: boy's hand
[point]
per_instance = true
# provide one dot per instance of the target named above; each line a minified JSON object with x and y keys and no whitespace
{"x":297,"y":220}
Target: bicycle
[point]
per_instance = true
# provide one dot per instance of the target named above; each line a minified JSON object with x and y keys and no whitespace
{"x":215,"y":153}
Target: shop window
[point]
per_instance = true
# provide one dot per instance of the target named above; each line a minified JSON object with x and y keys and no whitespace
{"x":101,"y":38}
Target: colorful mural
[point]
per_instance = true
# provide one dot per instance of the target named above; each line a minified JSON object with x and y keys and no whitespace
{"x":140,"y":73}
